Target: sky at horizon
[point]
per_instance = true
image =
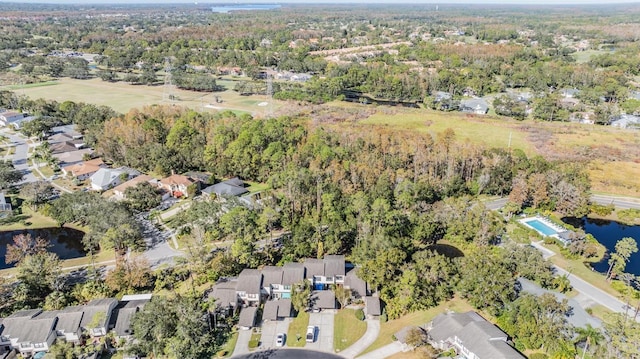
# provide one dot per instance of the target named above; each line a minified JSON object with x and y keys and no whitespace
{"x":219,"y":2}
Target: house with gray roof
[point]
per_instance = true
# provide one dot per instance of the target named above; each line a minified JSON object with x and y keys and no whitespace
{"x":233,"y":187}
{"x":247,"y":318}
{"x":277,"y":309}
{"x":250,"y":287}
{"x":27,"y":333}
{"x":357,"y":286}
{"x":68,"y":325}
{"x":271,"y":279}
{"x":325,"y":272}
{"x":225,"y":294}
{"x":97,"y":314}
{"x":128,"y":306}
{"x":323,"y":299}
{"x":474,"y":105}
{"x":372,"y":307}
{"x":472,"y":336}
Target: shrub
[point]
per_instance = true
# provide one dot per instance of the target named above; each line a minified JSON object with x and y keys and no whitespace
{"x":360,"y":314}
{"x":538,"y":356}
{"x":384,"y":317}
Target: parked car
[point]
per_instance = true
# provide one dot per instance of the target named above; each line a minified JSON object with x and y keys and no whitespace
{"x":311,"y":334}
{"x":280,"y":339}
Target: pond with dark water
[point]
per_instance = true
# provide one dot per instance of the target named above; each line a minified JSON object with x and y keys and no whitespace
{"x":65,"y":242}
{"x":608,"y":233}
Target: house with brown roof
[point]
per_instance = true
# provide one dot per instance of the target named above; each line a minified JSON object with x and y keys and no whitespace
{"x":177,"y":185}
{"x":121,"y":188}
{"x":84,"y":170}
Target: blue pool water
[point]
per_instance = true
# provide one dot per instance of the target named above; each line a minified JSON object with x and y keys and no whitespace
{"x":541,"y":227}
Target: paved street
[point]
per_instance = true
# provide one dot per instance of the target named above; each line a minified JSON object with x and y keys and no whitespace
{"x":324,"y":331}
{"x":270,"y":329}
{"x":20,"y":155}
{"x":158,"y":251}
{"x":617,"y":201}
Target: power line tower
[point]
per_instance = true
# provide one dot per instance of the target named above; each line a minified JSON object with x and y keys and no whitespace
{"x":168,"y":91}
{"x":269,"y":95}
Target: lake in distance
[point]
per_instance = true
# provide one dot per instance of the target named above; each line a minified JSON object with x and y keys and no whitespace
{"x":65,"y":242}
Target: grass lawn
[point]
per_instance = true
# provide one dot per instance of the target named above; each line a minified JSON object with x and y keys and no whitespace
{"x":347,"y":329}
{"x":298,"y":329}
{"x":488,"y":130}
{"x":122,"y":97}
{"x":388,"y":329}
{"x":619,"y":177}
{"x":46,"y":171}
{"x":229,"y":346}
{"x":35,"y":220}
{"x":413,"y":354}
{"x":254,"y":342}
{"x":256,"y":186}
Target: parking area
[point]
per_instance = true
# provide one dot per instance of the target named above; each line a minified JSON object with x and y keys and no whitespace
{"x":270,"y":329}
{"x":324,"y":332}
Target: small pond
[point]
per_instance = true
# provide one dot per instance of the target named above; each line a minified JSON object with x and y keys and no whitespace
{"x":608,"y":233}
{"x":65,"y":242}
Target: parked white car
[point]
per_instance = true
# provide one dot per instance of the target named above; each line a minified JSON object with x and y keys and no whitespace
{"x":311,"y":334}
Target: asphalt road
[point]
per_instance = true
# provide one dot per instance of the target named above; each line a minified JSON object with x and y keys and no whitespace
{"x":287,"y":354}
{"x":19,"y":157}
{"x":618,"y":202}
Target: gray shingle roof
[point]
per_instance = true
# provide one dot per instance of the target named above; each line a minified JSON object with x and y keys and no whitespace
{"x":121,"y":317}
{"x":27,"y":329}
{"x":475,"y":333}
{"x":372,"y":306}
{"x":224,"y":292}
{"x":358,"y":286}
{"x":226,"y":188}
{"x":270,"y":311}
{"x":97,"y":307}
{"x":323,"y":299}
{"x":68,"y":319}
{"x":271,"y":275}
{"x":333,"y":265}
{"x":248,"y":317}
{"x":292,"y":273}
{"x":314,"y":267}
{"x":249,"y":281}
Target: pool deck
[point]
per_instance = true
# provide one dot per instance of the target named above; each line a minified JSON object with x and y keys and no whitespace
{"x":548,"y":223}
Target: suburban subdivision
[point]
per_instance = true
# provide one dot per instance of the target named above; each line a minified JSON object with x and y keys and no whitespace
{"x":319,"y":180}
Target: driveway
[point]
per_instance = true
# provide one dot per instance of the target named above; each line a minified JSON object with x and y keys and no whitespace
{"x":370,"y":336}
{"x":270,"y":329}
{"x":324,"y":331}
{"x":242,"y":345}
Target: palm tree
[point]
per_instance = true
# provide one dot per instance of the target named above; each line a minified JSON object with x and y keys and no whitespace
{"x":590,"y":336}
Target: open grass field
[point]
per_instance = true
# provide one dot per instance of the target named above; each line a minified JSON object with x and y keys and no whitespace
{"x":619,"y":177}
{"x":491,"y":131}
{"x":584,"y":56}
{"x":122,"y":96}
{"x":347,"y":329}
{"x":298,"y":329}
{"x":388,"y":329}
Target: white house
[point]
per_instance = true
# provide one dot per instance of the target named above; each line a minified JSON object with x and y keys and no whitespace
{"x":9,"y":117}
{"x":105,"y":178}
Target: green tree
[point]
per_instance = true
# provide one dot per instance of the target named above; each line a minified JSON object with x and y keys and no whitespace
{"x":37,"y":193}
{"x":8,"y":174}
{"x":143,"y":197}
{"x":624,"y":248}
{"x":301,"y":296}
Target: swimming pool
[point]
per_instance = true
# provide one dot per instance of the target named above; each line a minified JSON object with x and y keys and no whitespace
{"x":542,"y":228}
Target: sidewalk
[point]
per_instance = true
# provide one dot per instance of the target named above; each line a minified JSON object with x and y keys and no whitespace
{"x":370,"y":336}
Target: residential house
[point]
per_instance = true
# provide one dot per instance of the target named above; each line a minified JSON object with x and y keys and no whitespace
{"x":4,"y":206}
{"x":230,"y":188}
{"x":247,"y":318}
{"x":19,"y":123}
{"x":249,"y":287}
{"x":569,"y":93}
{"x":69,"y":130}
{"x":225,"y":293}
{"x":177,"y":185}
{"x":9,"y":117}
{"x":626,"y":121}
{"x":474,"y":105}
{"x":97,"y":314}
{"x":27,"y":333}
{"x":107,"y":178}
{"x":277,"y":309}
{"x":84,"y":170}
{"x":68,"y":325}
{"x":357,"y":286}
{"x":292,"y":273}
{"x":128,"y":306}
{"x":325,"y":272}
{"x":119,"y":190}
{"x":202,"y":177}
{"x":271,"y":279}
{"x":472,"y":336}
{"x":323,"y":299}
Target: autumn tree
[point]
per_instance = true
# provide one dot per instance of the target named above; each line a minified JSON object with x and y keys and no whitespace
{"x":25,"y":245}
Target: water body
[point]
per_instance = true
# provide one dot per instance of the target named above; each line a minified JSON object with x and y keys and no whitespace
{"x":608,"y":233}
{"x":247,"y":7}
{"x":65,"y":242}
